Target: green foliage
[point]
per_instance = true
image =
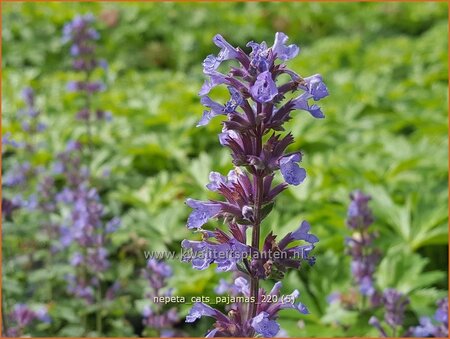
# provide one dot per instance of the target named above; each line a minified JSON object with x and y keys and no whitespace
{"x":385,"y":132}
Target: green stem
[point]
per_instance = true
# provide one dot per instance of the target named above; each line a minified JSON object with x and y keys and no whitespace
{"x":99,"y":310}
{"x":87,"y":107}
{"x":5,"y":328}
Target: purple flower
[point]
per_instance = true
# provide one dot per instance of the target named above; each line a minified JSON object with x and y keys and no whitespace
{"x":77,"y":259}
{"x":282,"y":51}
{"x":359,"y":214}
{"x":301,"y":102}
{"x":302,"y":233}
{"x":28,"y":96}
{"x":365,"y":258}
{"x":215,"y":110}
{"x":6,"y":140}
{"x":22,"y":315}
{"x":366,"y":286}
{"x":259,"y":56}
{"x":425,"y":329}
{"x":264,"y":326}
{"x":80,"y":289}
{"x":157,"y":273}
{"x":395,"y":304}
{"x":203,"y":211}
{"x":42,"y":314}
{"x":113,"y":225}
{"x":216,"y":180}
{"x":441,"y":314}
{"x":236,"y":324}
{"x":215,"y":79}
{"x":227,"y":51}
{"x":19,"y":174}
{"x":235,"y":101}
{"x":264,"y":89}
{"x":277,"y":257}
{"x":96,"y":86}
{"x":210,"y":64}
{"x":82,"y":37}
{"x":73,"y":86}
{"x":159,"y":268}
{"x":223,"y":287}
{"x":225,"y":255}
{"x":199,"y":310}
{"x":316,"y":87}
{"x":98,"y":259}
{"x":292,"y":173}
{"x":242,"y":286}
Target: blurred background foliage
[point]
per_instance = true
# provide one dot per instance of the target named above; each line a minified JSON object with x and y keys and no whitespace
{"x":385,"y":133}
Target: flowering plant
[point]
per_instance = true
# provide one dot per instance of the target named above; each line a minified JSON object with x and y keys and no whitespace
{"x":252,"y":130}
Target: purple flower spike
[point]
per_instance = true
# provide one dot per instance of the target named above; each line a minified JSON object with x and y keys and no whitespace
{"x":252,"y":119}
{"x":359,"y":214}
{"x":264,"y":89}
{"x":282,"y":51}
{"x":292,"y":173}
{"x":264,"y":326}
{"x":23,"y":315}
{"x":395,"y":304}
{"x":203,"y":211}
{"x":28,"y":96}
